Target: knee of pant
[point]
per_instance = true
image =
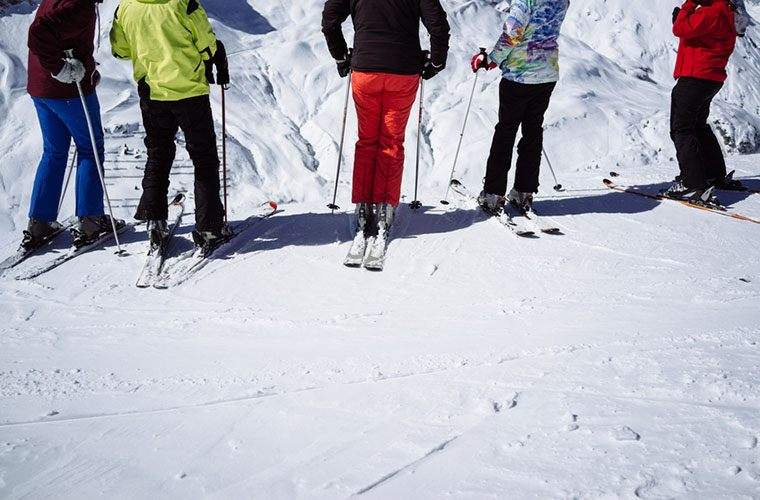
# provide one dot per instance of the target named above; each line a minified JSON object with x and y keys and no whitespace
{"x":55,"y":154}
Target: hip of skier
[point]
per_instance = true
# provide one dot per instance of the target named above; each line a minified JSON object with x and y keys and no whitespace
{"x":385,"y":67}
{"x":173,"y":50}
{"x":527,"y":53}
{"x":53,"y":78}
{"x":707,"y":31}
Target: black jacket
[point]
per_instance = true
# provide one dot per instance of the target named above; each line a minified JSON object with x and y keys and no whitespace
{"x":387,"y":33}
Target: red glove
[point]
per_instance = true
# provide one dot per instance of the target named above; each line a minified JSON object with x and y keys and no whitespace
{"x":480,"y":61}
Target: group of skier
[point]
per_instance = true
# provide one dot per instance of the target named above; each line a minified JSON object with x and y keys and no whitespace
{"x":175,"y":55}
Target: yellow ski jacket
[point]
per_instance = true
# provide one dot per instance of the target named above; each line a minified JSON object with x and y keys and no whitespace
{"x":168,"y":42}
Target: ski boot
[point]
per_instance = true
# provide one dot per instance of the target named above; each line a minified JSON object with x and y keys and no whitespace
{"x":521,"y":201}
{"x":208,"y":241}
{"x":91,"y":228}
{"x":38,"y":233}
{"x":678,"y":191}
{"x":728,"y":183}
{"x":385,"y":213}
{"x":158,"y":232}
{"x":364,"y":217}
{"x":492,"y":204}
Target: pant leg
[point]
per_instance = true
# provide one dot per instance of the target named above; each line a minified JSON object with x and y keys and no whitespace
{"x":88,"y":187}
{"x":367,"y":93}
{"x":511,"y":108}
{"x":196,"y":120}
{"x":161,"y":128}
{"x":688,"y":99}
{"x":48,"y":181}
{"x":399,"y":94}
{"x":529,"y":148}
{"x":715,"y":163}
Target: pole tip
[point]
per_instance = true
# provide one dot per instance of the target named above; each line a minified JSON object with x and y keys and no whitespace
{"x":559,"y":187}
{"x":415,"y":205}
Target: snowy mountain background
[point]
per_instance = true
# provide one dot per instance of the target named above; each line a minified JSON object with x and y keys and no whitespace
{"x":619,"y":360}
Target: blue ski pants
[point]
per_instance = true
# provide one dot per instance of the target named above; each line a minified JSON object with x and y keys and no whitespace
{"x":62,"y":120}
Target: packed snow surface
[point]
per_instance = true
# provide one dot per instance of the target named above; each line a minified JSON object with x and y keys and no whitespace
{"x":620,"y":359}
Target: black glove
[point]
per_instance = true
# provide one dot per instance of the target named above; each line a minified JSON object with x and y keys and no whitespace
{"x":430,"y":70}
{"x":344,"y":65}
{"x":676,"y":11}
{"x":219,"y":61}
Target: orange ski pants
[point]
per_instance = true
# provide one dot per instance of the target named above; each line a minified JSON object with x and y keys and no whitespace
{"x":383,"y":104}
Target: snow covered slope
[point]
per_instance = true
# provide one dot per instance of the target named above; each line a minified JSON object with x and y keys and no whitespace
{"x":618,"y":360}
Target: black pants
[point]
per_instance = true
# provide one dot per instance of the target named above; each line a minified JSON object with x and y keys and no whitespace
{"x":700,"y":157}
{"x":520,"y":105}
{"x":162,"y":121}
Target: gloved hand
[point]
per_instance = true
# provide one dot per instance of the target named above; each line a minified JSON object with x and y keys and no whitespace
{"x":480,"y":61}
{"x":429,"y":70}
{"x":72,"y":72}
{"x":344,"y":65}
{"x":676,"y":11}
{"x":220,"y":63}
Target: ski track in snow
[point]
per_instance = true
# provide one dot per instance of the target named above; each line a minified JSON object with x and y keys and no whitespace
{"x":619,"y":360}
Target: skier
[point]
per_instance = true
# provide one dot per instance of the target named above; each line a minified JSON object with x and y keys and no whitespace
{"x":386,"y":65}
{"x":52,"y":77}
{"x":528,"y":55}
{"x":167,"y":40}
{"x":707,"y":30}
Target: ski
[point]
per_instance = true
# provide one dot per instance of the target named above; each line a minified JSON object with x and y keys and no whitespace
{"x":355,"y":256}
{"x":377,"y":247}
{"x":154,"y":262}
{"x":542,"y":224}
{"x":72,"y":253}
{"x":508,"y":217}
{"x":716,"y":209}
{"x":24,"y":253}
{"x":189,"y":263}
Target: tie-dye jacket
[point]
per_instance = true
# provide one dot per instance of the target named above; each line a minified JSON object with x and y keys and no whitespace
{"x":527,"y":51}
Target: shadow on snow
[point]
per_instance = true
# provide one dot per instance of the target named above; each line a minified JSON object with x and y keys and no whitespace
{"x":239,"y":15}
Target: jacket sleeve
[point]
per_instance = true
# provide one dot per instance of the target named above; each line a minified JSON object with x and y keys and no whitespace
{"x":434,"y":19}
{"x":693,"y":22}
{"x":48,"y":33}
{"x":334,"y":15}
{"x":120,"y":47}
{"x":196,"y":21}
{"x":518,"y":17}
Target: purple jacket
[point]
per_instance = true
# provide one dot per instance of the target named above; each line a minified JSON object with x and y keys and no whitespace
{"x":61,"y":25}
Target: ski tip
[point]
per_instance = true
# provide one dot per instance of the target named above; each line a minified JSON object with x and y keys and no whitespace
{"x":272,"y":204}
{"x":445,"y":202}
{"x":608,"y":182}
{"x":455,"y":182}
{"x":614,"y":174}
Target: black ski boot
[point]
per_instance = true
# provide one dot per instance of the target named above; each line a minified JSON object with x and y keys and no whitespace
{"x":208,"y":241}
{"x":364,"y":217}
{"x":385,"y":213}
{"x":38,"y":233}
{"x":492,"y":204}
{"x":521,"y":201}
{"x":91,"y":228}
{"x":728,"y":183}
{"x":678,"y":191}
{"x":158,"y":232}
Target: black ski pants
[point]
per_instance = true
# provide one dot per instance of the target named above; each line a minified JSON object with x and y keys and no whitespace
{"x":520,"y":106}
{"x":700,"y":157}
{"x":162,"y":121}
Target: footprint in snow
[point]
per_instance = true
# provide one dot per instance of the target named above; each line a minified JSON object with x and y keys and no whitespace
{"x":625,"y":433}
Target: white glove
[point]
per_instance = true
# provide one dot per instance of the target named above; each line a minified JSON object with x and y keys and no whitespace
{"x":72,"y":72}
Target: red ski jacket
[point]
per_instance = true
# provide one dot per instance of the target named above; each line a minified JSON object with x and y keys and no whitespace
{"x":60,"y":25}
{"x":708,"y":37}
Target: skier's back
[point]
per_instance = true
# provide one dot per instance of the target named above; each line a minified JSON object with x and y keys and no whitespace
{"x":168,"y":42}
{"x":527,"y":53}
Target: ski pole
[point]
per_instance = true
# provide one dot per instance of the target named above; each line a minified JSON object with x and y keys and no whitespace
{"x":416,"y":204}
{"x":557,"y":185}
{"x":96,"y":154}
{"x":224,"y":151}
{"x":332,"y":206}
{"x":445,"y":200}
{"x":68,"y":179}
